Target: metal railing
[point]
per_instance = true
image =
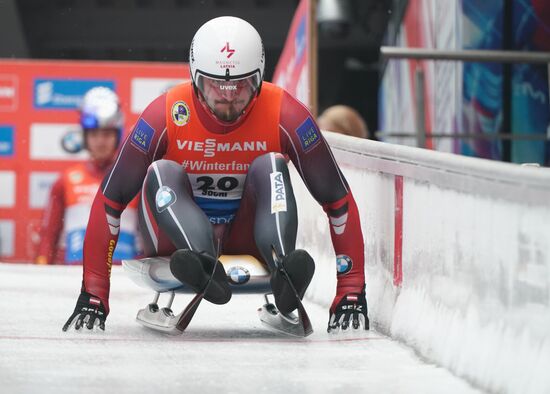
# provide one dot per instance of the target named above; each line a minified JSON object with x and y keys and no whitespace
{"x":468,"y":136}
{"x":464,"y":56}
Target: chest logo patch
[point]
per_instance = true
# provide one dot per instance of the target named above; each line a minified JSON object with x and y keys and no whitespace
{"x":76,"y":177}
{"x":180,"y":113}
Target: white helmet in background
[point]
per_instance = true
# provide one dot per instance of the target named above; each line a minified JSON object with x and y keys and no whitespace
{"x":227,"y":67}
{"x":100,"y":109}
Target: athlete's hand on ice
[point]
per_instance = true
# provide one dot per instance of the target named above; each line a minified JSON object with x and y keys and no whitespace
{"x":349,"y":313}
{"x":88,"y":312}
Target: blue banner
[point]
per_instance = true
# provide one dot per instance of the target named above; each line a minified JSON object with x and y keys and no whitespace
{"x":64,"y":93}
{"x":530,"y":107}
{"x":6,"y":141}
{"x":482,"y":83}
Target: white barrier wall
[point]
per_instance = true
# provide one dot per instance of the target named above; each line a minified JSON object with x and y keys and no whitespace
{"x":473,"y":292}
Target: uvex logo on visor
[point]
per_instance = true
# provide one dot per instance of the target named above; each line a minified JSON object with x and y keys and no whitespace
{"x":229,"y":51}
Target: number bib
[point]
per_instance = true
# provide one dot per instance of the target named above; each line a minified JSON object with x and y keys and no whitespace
{"x":217,"y":164}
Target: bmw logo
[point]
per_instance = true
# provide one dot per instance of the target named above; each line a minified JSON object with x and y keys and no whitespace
{"x":343,"y":264}
{"x":164,"y":198}
{"x":72,"y":142}
{"x":238,"y":275}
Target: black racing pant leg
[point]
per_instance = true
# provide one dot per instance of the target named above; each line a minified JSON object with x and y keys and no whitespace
{"x":275,"y":216}
{"x":269,"y":197}
{"x":167,"y":211}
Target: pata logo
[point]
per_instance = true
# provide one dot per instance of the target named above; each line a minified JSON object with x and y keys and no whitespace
{"x":278,"y":192}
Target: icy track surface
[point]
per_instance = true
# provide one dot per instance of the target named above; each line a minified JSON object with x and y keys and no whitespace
{"x":224,"y":350}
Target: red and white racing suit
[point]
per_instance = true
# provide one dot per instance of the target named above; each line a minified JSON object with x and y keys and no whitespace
{"x":216,"y":158}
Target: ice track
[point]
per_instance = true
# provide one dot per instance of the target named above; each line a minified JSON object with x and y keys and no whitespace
{"x":224,"y":350}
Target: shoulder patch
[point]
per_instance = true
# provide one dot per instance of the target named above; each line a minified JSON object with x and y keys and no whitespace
{"x":180,"y":113}
{"x":142,"y":136}
{"x":309,"y":134}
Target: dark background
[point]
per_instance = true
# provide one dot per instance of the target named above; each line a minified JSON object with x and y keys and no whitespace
{"x":155,"y":30}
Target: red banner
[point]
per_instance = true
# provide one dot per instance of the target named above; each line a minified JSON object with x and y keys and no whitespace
{"x":292,"y":71}
{"x":39,"y":103}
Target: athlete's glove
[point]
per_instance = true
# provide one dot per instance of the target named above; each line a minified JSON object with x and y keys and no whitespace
{"x":352,"y":311}
{"x":88,"y":312}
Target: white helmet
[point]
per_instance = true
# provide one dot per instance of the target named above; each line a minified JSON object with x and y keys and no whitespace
{"x":227,"y":66}
{"x":100,"y":109}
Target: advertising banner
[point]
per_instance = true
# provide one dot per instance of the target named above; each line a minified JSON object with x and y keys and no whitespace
{"x":468,"y":97}
{"x":482,"y":82}
{"x":426,"y":24}
{"x":40,"y":132}
{"x":530,"y":107}
{"x":292,"y":70}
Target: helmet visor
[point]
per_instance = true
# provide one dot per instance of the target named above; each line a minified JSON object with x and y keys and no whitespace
{"x":228,"y":99}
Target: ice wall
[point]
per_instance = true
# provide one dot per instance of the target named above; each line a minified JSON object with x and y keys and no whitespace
{"x":457,"y":257}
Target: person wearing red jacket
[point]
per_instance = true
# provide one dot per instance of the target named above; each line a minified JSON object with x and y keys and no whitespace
{"x":66,"y":215}
{"x":210,"y":157}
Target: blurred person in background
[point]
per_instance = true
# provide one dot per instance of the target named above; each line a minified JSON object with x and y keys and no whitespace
{"x":66,"y":215}
{"x":344,"y":120}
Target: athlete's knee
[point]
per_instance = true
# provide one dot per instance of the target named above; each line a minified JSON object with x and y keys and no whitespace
{"x":166,"y":168}
{"x":268,"y":163}
{"x":166,"y":172}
